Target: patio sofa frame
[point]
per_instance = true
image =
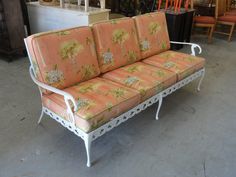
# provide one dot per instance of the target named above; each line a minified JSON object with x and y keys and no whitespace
{"x":88,"y":138}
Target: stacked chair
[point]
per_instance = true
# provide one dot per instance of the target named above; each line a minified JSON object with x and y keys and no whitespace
{"x":225,"y":18}
{"x":230,"y":10}
{"x":206,"y":22}
{"x":222,"y":17}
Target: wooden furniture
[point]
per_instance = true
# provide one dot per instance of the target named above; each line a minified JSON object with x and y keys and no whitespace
{"x":210,"y":25}
{"x":12,"y":31}
{"x":49,"y":3}
{"x":224,"y":20}
{"x":228,"y":3}
{"x":230,"y":7}
{"x":205,"y":10}
{"x":132,"y":7}
{"x":231,"y":4}
{"x":206,"y":19}
{"x":46,"y":18}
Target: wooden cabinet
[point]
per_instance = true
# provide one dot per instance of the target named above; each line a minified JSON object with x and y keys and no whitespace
{"x":12,"y":30}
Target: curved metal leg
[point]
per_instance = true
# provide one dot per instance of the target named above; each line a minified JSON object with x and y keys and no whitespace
{"x":41,"y":116}
{"x":200,"y":82}
{"x":87,"y":142}
{"x":159,"y":107}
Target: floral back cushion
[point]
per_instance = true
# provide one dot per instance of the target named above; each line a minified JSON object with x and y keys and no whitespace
{"x":152,"y":33}
{"x":64,"y":58}
{"x":116,"y":43}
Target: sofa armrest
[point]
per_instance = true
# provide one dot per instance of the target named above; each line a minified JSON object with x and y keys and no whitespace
{"x":67,"y":97}
{"x":193,"y":46}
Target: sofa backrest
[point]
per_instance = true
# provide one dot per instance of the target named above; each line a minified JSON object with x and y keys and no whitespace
{"x":63,"y":58}
{"x":152,"y":33}
{"x":116,"y":43}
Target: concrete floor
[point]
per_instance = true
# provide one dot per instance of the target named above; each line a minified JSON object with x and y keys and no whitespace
{"x":195,"y":136}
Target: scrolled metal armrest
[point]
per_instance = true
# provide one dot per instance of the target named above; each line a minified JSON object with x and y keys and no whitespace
{"x":193,"y":46}
{"x":67,"y":96}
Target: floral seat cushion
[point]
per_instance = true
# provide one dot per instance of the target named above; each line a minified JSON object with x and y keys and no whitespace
{"x":98,"y":100}
{"x":146,"y":79}
{"x":152,"y":33}
{"x":116,"y":43}
{"x":64,"y":58}
{"x":182,"y":64}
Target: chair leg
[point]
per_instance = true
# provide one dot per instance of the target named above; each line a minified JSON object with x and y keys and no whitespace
{"x":209,"y":31}
{"x":210,"y":34}
{"x":41,"y":116}
{"x":200,"y":82}
{"x":231,"y":32}
{"x":88,"y":142}
{"x":159,"y":107}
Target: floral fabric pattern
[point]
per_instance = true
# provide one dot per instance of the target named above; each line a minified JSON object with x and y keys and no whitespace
{"x":152,"y":33}
{"x":154,"y":28}
{"x":119,"y":36}
{"x":70,"y":49}
{"x":146,"y":79}
{"x":52,"y":53}
{"x":87,"y":71}
{"x":55,"y":77}
{"x":145,"y":45}
{"x":98,"y":101}
{"x":117,"y":43}
{"x":108,"y":57}
{"x":181,"y":64}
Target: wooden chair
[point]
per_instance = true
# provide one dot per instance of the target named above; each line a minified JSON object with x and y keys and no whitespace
{"x":225,"y":20}
{"x":229,"y":9}
{"x":228,"y":5}
{"x":206,"y":22}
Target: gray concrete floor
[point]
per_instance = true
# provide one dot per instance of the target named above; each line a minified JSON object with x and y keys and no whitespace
{"x":195,"y":136}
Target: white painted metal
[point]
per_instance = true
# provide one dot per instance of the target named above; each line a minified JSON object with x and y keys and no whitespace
{"x":87,"y":143}
{"x":62,"y":3}
{"x":159,"y":107}
{"x":91,"y":136}
{"x":86,"y":3}
{"x":67,"y":96}
{"x":41,"y":116}
{"x":200,"y":82}
{"x":193,"y":46}
{"x":102,"y":4}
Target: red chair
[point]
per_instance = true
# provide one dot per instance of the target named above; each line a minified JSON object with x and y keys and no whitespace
{"x":232,"y":13}
{"x":206,"y":22}
{"x":224,"y":19}
{"x":229,"y":9}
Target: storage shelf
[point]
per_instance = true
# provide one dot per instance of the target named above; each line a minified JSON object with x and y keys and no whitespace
{"x":11,"y":27}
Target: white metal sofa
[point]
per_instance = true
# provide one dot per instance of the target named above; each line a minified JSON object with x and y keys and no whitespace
{"x":125,"y":64}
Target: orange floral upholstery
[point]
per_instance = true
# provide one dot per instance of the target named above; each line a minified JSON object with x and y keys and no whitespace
{"x":116,"y":43}
{"x":152,"y":33}
{"x":98,"y":100}
{"x":227,"y":18}
{"x":204,"y":19}
{"x":148,"y":80}
{"x":64,"y":58}
{"x":182,"y":64}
